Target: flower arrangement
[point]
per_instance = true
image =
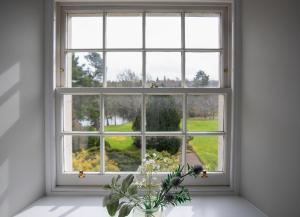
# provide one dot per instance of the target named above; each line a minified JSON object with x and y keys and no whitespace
{"x":145,"y":192}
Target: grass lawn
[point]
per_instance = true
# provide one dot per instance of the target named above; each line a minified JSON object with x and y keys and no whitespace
{"x":119,"y":128}
{"x":206,"y":147}
{"x":121,"y":143}
{"x":196,"y":124}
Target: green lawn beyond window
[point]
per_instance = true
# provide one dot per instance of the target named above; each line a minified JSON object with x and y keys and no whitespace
{"x":205,"y":147}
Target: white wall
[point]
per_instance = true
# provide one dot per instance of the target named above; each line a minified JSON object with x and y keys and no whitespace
{"x":270,"y":106}
{"x":21,"y":104}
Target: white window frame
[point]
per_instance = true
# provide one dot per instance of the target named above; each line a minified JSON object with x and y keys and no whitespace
{"x":59,"y":182}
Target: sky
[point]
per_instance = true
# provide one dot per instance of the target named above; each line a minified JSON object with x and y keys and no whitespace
{"x":161,"y":32}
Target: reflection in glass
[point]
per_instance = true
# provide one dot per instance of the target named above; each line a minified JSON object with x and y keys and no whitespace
{"x":163,"y":69}
{"x":205,"y":112}
{"x":122,"y":153}
{"x":124,"y":30}
{"x":205,"y":150}
{"x":202,"y":31}
{"x":163,"y":30}
{"x":163,"y":113}
{"x":122,"y":113}
{"x":82,"y":153}
{"x":124,"y":69}
{"x":81,"y":113}
{"x":87,"y":69}
{"x":165,"y":151}
{"x":86,"y":32}
{"x":202,"y":69}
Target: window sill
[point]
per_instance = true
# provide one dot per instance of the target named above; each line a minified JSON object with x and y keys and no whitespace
{"x":204,"y":206}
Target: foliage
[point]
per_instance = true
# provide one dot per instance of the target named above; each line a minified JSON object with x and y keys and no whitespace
{"x":83,"y":76}
{"x":201,"y":79}
{"x":124,"y":196}
{"x":162,"y":114}
{"x":163,"y":160}
{"x":88,"y":160}
{"x":128,"y":78}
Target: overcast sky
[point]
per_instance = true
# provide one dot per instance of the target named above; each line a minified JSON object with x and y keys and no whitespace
{"x":161,"y":32}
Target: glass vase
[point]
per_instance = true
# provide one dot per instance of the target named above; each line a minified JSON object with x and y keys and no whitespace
{"x":154,"y":212}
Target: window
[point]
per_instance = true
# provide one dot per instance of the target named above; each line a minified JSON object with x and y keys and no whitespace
{"x":142,"y":81}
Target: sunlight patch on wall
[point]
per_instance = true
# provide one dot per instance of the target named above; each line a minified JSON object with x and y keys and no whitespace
{"x":9,"y":113}
{"x":9,"y":78}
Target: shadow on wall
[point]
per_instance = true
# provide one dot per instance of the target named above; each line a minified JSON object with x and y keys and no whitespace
{"x":9,"y":115}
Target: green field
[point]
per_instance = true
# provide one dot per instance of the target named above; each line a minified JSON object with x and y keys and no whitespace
{"x":205,"y":147}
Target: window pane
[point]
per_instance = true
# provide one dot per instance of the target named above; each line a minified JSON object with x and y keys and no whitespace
{"x":124,"y":31}
{"x":202,"y":69}
{"x":163,"y":30}
{"x":163,"y":113}
{"x":81,"y":113}
{"x":165,"y":151}
{"x":205,"y":112}
{"x":207,"y":151}
{"x":86,"y":32}
{"x":122,"y":113}
{"x":85,"y":70}
{"x":122,"y":153}
{"x":202,"y":31}
{"x":163,"y":69}
{"x":82,"y":153}
{"x":124,"y":69}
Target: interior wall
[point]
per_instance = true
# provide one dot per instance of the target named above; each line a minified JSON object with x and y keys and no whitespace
{"x":21,"y":104}
{"x":270,"y":128}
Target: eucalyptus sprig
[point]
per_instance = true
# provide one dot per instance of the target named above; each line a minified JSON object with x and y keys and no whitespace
{"x":124,"y":196}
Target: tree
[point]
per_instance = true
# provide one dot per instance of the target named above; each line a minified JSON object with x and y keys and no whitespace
{"x":86,"y":108}
{"x":201,"y":79}
{"x":128,"y":78}
{"x":162,"y":114}
{"x":87,"y":77}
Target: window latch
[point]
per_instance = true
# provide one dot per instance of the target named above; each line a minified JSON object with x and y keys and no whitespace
{"x":204,"y":174}
{"x":81,"y":174}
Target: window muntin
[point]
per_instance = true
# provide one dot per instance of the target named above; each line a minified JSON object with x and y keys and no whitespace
{"x":186,"y":60}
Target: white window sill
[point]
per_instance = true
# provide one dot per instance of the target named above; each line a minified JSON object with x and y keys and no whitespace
{"x":204,"y":206}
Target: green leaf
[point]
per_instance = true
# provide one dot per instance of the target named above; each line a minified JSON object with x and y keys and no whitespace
{"x":125,"y":210}
{"x":132,"y":190}
{"x":112,"y":208}
{"x":118,"y":177}
{"x":111,"y":198}
{"x":106,"y":200}
{"x":127,"y":182}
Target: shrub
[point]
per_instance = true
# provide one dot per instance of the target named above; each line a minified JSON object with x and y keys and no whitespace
{"x":162,"y":114}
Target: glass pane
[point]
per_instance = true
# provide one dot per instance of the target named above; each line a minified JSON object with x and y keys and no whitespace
{"x":163,"y":30}
{"x":124,"y":30}
{"x":202,"y":69}
{"x":163,"y":113}
{"x":202,"y":31}
{"x":85,"y":70}
{"x":163,"y":69}
{"x":82,"y":153}
{"x":81,"y":113}
{"x":205,"y":112}
{"x":86,"y":32}
{"x":122,"y":153}
{"x":165,"y":151}
{"x":124,"y":69}
{"x":207,"y":151}
{"x":122,"y":113}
